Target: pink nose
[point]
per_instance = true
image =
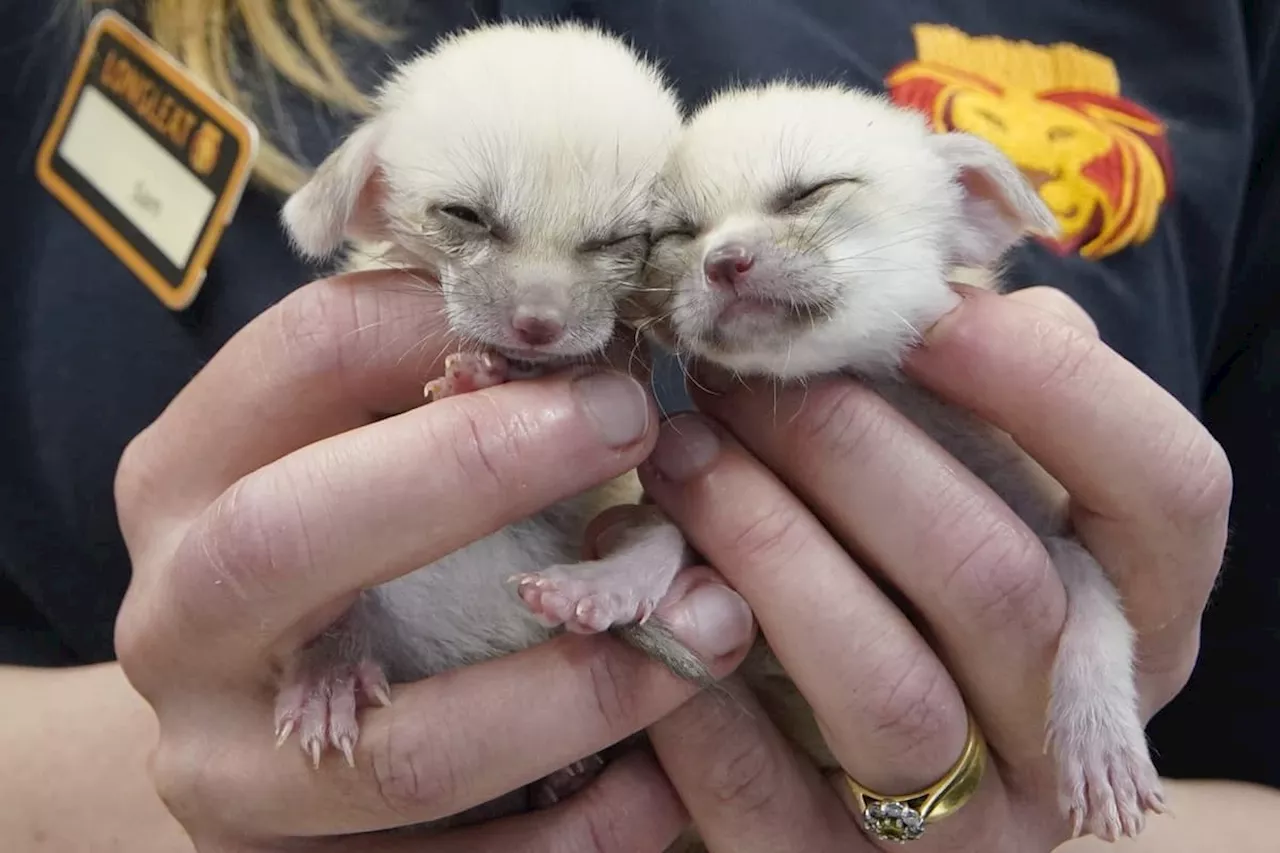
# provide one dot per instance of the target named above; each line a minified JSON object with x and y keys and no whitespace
{"x":726,"y":265}
{"x":537,"y":328}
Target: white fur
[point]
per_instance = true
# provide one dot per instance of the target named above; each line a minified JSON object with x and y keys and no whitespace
{"x":871,"y":261}
{"x":553,"y":132}
{"x":556,"y":133}
{"x":461,"y":609}
{"x":882,"y":249}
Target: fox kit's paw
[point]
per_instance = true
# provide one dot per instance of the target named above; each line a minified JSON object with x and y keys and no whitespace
{"x":320,"y":703}
{"x":622,"y":588}
{"x":566,"y":782}
{"x":1106,"y":780}
{"x":587,"y":598}
{"x":465,"y":372}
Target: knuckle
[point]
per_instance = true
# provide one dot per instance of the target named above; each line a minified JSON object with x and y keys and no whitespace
{"x":614,"y":692}
{"x":137,"y":635}
{"x":311,"y":324}
{"x":746,"y":777}
{"x":846,"y":418}
{"x":1178,"y":668}
{"x":414,"y":774}
{"x":183,"y":779}
{"x":484,"y":445}
{"x":1061,"y":303}
{"x":1199,"y":495}
{"x":1004,"y":579}
{"x":593,"y":828}
{"x":739,"y":765}
{"x":141,"y":492}
{"x":237,"y":550}
{"x":913,"y":706}
{"x":1070,"y":356}
{"x":775,"y":536}
{"x":225,"y":546}
{"x":133,"y":478}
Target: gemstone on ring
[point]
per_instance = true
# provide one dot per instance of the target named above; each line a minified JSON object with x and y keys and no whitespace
{"x":893,"y":821}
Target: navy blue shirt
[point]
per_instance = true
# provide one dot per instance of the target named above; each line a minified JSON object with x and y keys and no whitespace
{"x":1152,"y":127}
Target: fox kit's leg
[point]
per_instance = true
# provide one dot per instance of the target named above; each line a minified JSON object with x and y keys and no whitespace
{"x":324,"y":685}
{"x":1106,"y":778}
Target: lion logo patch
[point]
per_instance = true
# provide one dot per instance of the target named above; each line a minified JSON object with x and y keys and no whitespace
{"x":1099,"y":161}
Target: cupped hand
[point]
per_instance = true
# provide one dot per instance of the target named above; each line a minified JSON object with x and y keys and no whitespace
{"x":298,"y":468}
{"x":800,"y":497}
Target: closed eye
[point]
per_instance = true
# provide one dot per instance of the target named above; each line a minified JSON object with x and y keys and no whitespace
{"x":681,"y":230}
{"x":795,"y":197}
{"x":464,"y":214}
{"x":614,"y":241}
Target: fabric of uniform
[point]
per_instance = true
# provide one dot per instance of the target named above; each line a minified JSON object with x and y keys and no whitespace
{"x":88,"y":357}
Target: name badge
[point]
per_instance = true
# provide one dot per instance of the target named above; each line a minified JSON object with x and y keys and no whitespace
{"x":148,"y":158}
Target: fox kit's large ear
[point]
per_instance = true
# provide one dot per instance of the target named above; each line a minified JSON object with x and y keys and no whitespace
{"x":999,"y":207}
{"x":342,"y":199}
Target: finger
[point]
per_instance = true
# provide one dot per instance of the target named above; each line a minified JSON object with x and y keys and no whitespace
{"x":746,"y":788}
{"x":444,"y":745}
{"x":1059,"y":304}
{"x":358,"y":509}
{"x":890,"y":711}
{"x":980,"y":578}
{"x":631,"y":808}
{"x":1150,"y":487}
{"x":333,"y":355}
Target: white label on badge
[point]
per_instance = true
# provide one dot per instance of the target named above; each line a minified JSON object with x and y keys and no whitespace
{"x":147,"y":184}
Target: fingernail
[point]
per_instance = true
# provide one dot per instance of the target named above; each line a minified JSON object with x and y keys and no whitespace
{"x":611,"y":536}
{"x":939,"y":326}
{"x":712,"y":620}
{"x":616,"y":405}
{"x":686,"y":447}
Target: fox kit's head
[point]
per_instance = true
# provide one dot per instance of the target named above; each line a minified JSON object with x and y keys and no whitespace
{"x":517,"y":163}
{"x":807,"y":229}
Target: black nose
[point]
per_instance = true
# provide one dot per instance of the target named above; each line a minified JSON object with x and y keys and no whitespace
{"x":726,"y":265}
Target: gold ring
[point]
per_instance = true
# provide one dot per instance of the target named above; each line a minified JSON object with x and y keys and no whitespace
{"x":903,"y":818}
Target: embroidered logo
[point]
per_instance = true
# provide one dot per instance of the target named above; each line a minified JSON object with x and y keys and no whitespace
{"x":206,"y":145}
{"x":1100,"y":162}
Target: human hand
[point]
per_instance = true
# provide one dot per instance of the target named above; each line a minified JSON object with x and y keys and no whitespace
{"x":296,"y":469}
{"x":840,"y":472}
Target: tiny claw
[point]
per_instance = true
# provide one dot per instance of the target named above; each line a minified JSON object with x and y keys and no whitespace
{"x":382,"y":695}
{"x":314,"y":751}
{"x":283,"y":731}
{"x":348,"y":750}
{"x":1077,"y":822}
